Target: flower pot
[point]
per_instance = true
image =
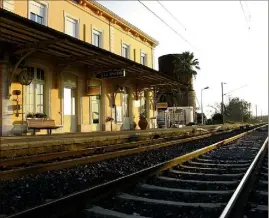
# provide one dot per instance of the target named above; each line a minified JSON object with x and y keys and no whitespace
{"x":143,"y":123}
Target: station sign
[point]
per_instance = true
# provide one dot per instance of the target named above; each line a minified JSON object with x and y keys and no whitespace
{"x":162,"y":105}
{"x":113,"y":74}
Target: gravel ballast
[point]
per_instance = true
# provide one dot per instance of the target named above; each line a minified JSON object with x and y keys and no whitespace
{"x":22,"y":193}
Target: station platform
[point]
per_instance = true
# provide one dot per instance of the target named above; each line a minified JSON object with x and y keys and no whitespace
{"x":13,"y":145}
{"x":12,"y":140}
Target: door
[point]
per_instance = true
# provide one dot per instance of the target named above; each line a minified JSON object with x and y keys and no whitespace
{"x":70,"y":124}
{"x":95,"y":112}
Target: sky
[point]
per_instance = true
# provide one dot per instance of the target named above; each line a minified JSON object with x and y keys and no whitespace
{"x":218,"y":34}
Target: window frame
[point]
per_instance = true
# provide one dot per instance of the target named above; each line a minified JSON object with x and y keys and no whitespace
{"x":95,"y":99}
{"x":46,"y":10}
{"x":99,"y":32}
{"x":77,"y":20}
{"x":123,"y":45}
{"x":33,"y":98}
{"x":145,"y":55}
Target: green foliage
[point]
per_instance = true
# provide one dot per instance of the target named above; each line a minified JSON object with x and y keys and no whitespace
{"x":235,"y":111}
{"x":37,"y":115}
{"x":216,"y":118}
{"x":186,"y":66}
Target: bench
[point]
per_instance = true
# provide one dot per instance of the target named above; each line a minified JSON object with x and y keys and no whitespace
{"x":42,"y":124}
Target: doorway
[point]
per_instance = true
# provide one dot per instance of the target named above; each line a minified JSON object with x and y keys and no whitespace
{"x":70,"y":121}
{"x":95,"y":112}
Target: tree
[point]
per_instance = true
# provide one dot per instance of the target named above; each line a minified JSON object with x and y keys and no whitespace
{"x":236,"y":110}
{"x":217,"y":118}
{"x":169,"y":96}
{"x":199,"y":118}
{"x":185,"y":67}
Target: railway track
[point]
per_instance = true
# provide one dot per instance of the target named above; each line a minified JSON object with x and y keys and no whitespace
{"x":61,"y":155}
{"x":18,"y":167}
{"x":197,"y":188}
{"x":257,"y":205}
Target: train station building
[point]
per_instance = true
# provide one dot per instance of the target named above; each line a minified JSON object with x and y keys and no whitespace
{"x":78,"y":63}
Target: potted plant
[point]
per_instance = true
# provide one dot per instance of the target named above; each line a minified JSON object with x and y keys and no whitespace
{"x":142,"y":123}
{"x":41,"y":115}
{"x":36,"y":116}
{"x":30,"y":116}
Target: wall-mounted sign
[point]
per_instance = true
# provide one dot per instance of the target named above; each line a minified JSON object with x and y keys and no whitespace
{"x":162,"y":105}
{"x":93,"y":90}
{"x":113,"y":74}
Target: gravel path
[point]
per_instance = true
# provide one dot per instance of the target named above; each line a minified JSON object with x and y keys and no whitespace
{"x":28,"y":191}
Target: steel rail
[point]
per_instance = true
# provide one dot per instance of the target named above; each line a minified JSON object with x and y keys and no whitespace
{"x":84,"y":151}
{"x":23,"y":171}
{"x":79,"y":199}
{"x":232,"y":205}
{"x":15,"y":173}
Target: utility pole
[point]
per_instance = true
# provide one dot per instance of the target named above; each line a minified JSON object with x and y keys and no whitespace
{"x":222,"y":104}
{"x":202,"y":113}
{"x":256,"y":112}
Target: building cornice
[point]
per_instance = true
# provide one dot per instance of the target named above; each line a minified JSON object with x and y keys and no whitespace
{"x":102,"y":11}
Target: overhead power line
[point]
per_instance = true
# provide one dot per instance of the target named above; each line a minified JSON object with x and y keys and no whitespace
{"x":172,"y":15}
{"x":166,"y":24}
{"x":235,"y":89}
{"x":244,"y":15}
{"x":249,"y":14}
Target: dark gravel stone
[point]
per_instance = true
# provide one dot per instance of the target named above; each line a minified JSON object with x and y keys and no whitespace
{"x":22,"y":193}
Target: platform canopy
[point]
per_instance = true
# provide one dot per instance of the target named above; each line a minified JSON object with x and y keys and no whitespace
{"x":20,"y":36}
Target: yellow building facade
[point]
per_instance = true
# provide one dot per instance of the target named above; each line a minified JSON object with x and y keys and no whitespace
{"x":61,"y":96}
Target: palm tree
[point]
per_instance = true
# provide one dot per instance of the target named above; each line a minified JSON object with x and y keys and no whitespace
{"x":185,"y":67}
{"x":168,"y":95}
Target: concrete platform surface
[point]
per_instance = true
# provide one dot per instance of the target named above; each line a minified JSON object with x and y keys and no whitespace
{"x":82,"y":135}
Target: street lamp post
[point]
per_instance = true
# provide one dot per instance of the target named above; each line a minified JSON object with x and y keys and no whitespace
{"x":202,"y":104}
{"x":222,"y":105}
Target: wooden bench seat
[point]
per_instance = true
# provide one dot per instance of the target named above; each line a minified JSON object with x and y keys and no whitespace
{"x":42,"y":124}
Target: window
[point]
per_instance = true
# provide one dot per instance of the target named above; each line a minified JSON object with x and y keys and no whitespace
{"x":143,"y":105}
{"x":36,"y":18}
{"x":34,"y":93}
{"x":125,"y":50}
{"x":124,"y":104}
{"x":97,"y":38}
{"x":143,"y":59}
{"x":71,"y":26}
{"x":8,"y":5}
{"x":95,"y":109}
{"x":38,"y":12}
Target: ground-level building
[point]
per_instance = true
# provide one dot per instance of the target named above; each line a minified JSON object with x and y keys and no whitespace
{"x":75,"y":83}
